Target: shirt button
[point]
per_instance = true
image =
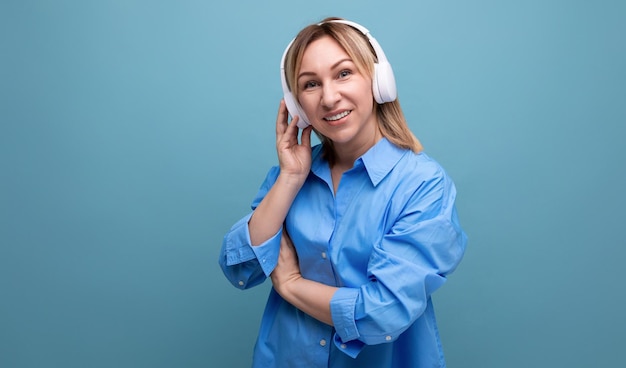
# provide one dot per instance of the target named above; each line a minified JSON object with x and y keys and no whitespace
{"x":343,"y":346}
{"x":324,"y":255}
{"x":240,"y":283}
{"x":323,"y":342}
{"x":388,"y":338}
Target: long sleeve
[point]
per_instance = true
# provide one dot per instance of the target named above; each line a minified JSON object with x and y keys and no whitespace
{"x":245,"y":265}
{"x":422,"y":246}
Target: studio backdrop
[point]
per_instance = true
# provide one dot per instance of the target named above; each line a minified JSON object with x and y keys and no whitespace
{"x":133,"y":134}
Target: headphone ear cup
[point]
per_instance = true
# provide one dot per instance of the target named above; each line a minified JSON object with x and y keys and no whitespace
{"x":295,"y":110}
{"x":384,"y":83}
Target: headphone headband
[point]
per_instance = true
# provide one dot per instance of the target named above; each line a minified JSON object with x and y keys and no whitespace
{"x":383,"y":81}
{"x":380,"y":54}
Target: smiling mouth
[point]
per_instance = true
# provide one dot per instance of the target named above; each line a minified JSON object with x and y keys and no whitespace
{"x":338,"y":116}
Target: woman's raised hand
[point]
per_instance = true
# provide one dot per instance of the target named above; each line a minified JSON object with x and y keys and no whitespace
{"x":294,"y":157}
{"x":295,"y":164}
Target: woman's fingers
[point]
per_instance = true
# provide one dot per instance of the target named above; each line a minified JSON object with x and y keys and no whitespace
{"x":292,"y":128}
{"x":283,"y":126}
{"x":281,"y":118}
{"x":305,"y":139}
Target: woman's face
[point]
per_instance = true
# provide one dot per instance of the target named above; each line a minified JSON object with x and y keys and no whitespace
{"x":335,"y":96}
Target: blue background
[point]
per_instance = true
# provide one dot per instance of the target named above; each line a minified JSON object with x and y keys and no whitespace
{"x":134,"y":133}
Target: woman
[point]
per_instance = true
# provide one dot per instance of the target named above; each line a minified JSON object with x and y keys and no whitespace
{"x":355,"y":233}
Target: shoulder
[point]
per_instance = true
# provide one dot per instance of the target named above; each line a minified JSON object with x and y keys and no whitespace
{"x":418,"y":174}
{"x":420,"y":165}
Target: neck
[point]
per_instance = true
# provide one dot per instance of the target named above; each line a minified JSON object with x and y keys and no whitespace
{"x":346,"y":154}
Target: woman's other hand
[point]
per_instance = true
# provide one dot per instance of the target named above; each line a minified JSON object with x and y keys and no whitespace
{"x":287,"y":270}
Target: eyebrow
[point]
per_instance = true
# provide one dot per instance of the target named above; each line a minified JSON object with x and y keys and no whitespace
{"x":305,"y":73}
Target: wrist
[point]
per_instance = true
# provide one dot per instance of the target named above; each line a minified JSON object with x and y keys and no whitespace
{"x":294,"y":181}
{"x":286,"y":288}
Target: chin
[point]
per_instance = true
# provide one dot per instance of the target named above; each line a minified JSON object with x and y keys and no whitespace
{"x":340,"y":138}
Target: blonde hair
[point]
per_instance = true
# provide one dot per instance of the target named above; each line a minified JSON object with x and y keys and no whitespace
{"x":391,"y":120}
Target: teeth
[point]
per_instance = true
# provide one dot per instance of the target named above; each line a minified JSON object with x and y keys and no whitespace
{"x":338,"y":116}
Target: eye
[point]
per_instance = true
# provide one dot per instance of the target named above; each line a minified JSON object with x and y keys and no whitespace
{"x":309,"y":85}
{"x":345,"y":73}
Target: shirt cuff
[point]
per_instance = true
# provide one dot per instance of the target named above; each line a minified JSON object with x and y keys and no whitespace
{"x":239,"y":248}
{"x":342,"y":307}
{"x":237,"y":243}
{"x":350,"y":348}
{"x":267,"y":252}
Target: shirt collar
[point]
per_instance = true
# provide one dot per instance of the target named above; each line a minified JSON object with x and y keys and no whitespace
{"x":378,"y":160}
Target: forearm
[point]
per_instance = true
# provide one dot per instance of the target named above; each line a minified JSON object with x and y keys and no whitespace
{"x":311,"y":297}
{"x":270,"y":215}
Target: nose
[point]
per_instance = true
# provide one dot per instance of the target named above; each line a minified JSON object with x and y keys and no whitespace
{"x":330,"y":95}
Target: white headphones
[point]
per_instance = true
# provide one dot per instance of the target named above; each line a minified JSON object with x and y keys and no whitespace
{"x":383,"y":82}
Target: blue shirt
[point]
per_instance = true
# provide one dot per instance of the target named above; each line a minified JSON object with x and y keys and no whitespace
{"x":387,"y":238}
